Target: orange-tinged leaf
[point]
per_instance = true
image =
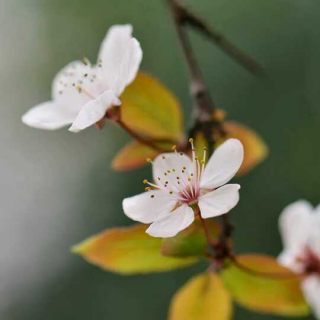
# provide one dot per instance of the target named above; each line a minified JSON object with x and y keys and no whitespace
{"x":151,"y":109}
{"x":255,"y":149}
{"x":128,"y":251}
{"x":204,"y":297}
{"x":133,"y":156}
{"x":190,"y":242}
{"x":279,"y":293}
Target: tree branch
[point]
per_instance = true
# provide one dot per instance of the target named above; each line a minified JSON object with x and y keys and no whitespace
{"x":249,"y":63}
{"x":204,"y":104}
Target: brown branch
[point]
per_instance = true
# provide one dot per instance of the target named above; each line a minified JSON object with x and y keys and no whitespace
{"x":204,"y":106}
{"x":198,"y":88}
{"x":249,"y":63}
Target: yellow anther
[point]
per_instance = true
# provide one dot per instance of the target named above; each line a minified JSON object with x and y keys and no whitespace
{"x":184,"y":168}
{"x":145,"y":181}
{"x":174,"y":147}
{"x":189,"y":179}
{"x":168,"y":171}
{"x":197,"y":158}
{"x":203,"y":162}
{"x":85,"y":61}
{"x":190,"y":140}
{"x":149,"y":160}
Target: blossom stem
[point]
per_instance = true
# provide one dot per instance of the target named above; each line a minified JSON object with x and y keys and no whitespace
{"x":210,"y":241}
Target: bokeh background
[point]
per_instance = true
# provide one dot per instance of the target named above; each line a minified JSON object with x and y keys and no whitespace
{"x":57,"y":188}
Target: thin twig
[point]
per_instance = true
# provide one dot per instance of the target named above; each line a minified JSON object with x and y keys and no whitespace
{"x":199,"y":91}
{"x":251,"y":64}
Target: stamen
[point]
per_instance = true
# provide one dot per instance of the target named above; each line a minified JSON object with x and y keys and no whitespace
{"x":85,"y":61}
{"x":80,"y":89}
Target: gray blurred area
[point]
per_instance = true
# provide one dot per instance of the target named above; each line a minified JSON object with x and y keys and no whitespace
{"x":57,"y":188}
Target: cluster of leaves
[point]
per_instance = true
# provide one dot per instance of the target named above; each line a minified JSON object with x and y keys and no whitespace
{"x":152,"y":111}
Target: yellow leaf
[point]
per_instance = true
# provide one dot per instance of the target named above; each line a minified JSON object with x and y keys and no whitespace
{"x":280,"y":295}
{"x":204,"y":297}
{"x":151,"y":109}
{"x":128,"y":251}
{"x":255,"y":149}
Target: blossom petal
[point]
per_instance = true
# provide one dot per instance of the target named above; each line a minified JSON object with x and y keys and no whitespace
{"x":169,"y":166}
{"x":295,"y":224}
{"x":220,"y":201}
{"x":172,"y":223}
{"x":94,"y":111}
{"x":314,"y":239}
{"x":223,"y":164}
{"x":120,"y":57}
{"x":145,"y":208}
{"x":49,"y":116}
{"x":311,"y":289}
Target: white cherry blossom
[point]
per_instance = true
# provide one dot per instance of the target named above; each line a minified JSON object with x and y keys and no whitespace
{"x":299,"y":225}
{"x":182,"y":184}
{"x":82,"y":93}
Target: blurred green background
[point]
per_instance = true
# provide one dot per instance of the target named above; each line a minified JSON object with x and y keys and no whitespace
{"x":58,"y":188}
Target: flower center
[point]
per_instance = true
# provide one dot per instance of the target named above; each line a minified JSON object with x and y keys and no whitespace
{"x":310,"y":262}
{"x":181,"y":182}
{"x":81,"y":78}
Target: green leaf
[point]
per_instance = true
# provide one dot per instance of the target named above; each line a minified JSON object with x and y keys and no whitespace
{"x":151,"y":109}
{"x":128,"y":251}
{"x":204,"y":297}
{"x":277,"y":293}
{"x":190,"y":242}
